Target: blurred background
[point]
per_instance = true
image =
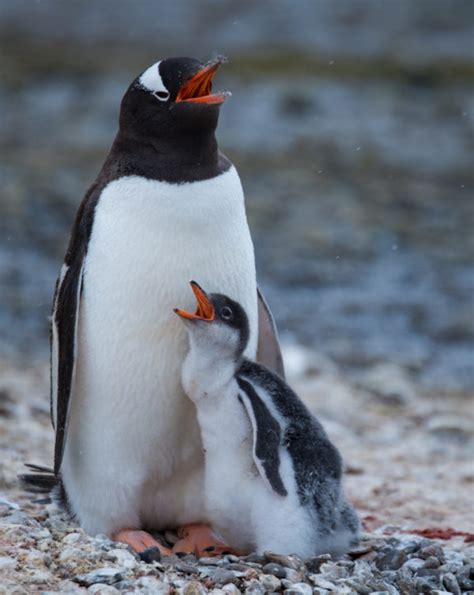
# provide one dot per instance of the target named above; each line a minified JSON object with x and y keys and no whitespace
{"x":351,"y":124}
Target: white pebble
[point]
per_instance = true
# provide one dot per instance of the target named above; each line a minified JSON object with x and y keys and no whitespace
{"x":123,"y":557}
{"x":6,"y":563}
{"x":298,"y":588}
{"x":102,"y":589}
{"x":71,"y":538}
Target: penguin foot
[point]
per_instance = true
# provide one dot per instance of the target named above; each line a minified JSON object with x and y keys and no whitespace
{"x":143,"y":544}
{"x":198,"y":539}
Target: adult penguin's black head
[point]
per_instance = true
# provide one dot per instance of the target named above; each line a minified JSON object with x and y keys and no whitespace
{"x":172,"y":96}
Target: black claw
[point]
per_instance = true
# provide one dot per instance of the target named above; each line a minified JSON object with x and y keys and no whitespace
{"x":151,"y":554}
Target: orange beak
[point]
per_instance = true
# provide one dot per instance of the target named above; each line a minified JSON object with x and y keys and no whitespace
{"x":205,"y":309}
{"x":198,"y":88}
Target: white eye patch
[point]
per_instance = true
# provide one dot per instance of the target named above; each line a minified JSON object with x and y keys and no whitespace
{"x":152,"y":81}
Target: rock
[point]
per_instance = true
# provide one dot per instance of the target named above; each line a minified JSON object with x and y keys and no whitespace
{"x":390,"y":559}
{"x":102,"y":589}
{"x":71,"y":538}
{"x":231,"y":589}
{"x":192,"y":588}
{"x":314,"y":564}
{"x":413,"y":564}
{"x":432,"y":550}
{"x":299,"y":589}
{"x":270,"y":582}
{"x":153,"y":585}
{"x":4,"y":503}
{"x":222,"y":576}
{"x":450,"y":427}
{"x":71,"y":554}
{"x":451,"y":584}
{"x":275,"y":569}
{"x":123,"y":557}
{"x":186,"y":568}
{"x":432,"y":562}
{"x":320,"y":581}
{"x":389,"y":383}
{"x":7,"y":563}
{"x":254,"y":558}
{"x":108,"y":576}
{"x":255,"y":588}
{"x":288,"y":561}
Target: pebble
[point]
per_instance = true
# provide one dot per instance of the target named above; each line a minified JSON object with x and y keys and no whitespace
{"x":102,"y":589}
{"x":314,"y":564}
{"x":71,"y":538}
{"x":222,"y":576}
{"x":390,"y":559}
{"x":319,"y":581}
{"x":432,"y":551}
{"x":152,"y":585}
{"x":275,"y":569}
{"x":108,"y":576}
{"x":270,"y":582}
{"x":6,"y":563}
{"x":255,"y":588}
{"x":299,"y":589}
{"x":192,"y":588}
{"x":231,"y":589}
{"x":123,"y":557}
{"x":288,"y":561}
{"x":451,"y":584}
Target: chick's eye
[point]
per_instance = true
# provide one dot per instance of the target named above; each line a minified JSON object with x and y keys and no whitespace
{"x":161,"y":95}
{"x":226,"y":313}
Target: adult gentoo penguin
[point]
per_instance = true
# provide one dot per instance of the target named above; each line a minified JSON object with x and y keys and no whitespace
{"x":166,"y":205}
{"x":272,"y":477}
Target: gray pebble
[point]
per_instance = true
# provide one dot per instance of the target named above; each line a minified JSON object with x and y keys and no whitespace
{"x":254,"y":558}
{"x":288,"y":561}
{"x":103,"y":589}
{"x":314,"y":564}
{"x":299,"y":589}
{"x":255,"y":588}
{"x":433,"y":550}
{"x":320,"y":581}
{"x":432,"y":562}
{"x":390,"y":559}
{"x":275,"y":569}
{"x":222,"y":576}
{"x":451,"y":584}
{"x":108,"y":576}
{"x":186,"y":568}
{"x":270,"y":582}
{"x":192,"y":588}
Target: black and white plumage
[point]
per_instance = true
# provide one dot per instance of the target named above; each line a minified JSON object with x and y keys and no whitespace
{"x":273,"y":478}
{"x":166,"y":204}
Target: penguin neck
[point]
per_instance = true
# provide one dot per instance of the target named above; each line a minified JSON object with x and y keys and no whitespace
{"x":207,"y":369}
{"x":185,"y":156}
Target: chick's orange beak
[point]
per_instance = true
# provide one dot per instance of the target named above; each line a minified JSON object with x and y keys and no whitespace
{"x":204,"y":310}
{"x":198,"y":88}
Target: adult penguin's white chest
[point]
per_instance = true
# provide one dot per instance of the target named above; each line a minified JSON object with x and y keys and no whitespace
{"x":129,"y":417}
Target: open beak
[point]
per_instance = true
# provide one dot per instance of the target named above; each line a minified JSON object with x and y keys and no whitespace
{"x":204,"y":310}
{"x":199,"y":88}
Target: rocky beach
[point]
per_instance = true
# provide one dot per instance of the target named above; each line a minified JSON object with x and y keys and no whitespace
{"x":352,"y":127}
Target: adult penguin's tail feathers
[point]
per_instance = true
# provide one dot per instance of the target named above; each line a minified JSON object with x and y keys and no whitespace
{"x":42,"y":481}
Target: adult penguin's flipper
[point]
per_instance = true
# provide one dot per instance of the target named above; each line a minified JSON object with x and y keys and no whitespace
{"x":64,"y":327}
{"x":268,"y":348}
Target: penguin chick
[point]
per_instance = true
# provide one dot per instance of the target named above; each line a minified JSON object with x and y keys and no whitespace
{"x":273,"y":479}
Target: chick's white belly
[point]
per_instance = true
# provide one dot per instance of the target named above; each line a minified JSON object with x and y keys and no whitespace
{"x":132,"y":431}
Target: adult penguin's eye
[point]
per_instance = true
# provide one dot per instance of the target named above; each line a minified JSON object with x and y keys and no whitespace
{"x":161,"y":95}
{"x":226,"y":313}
